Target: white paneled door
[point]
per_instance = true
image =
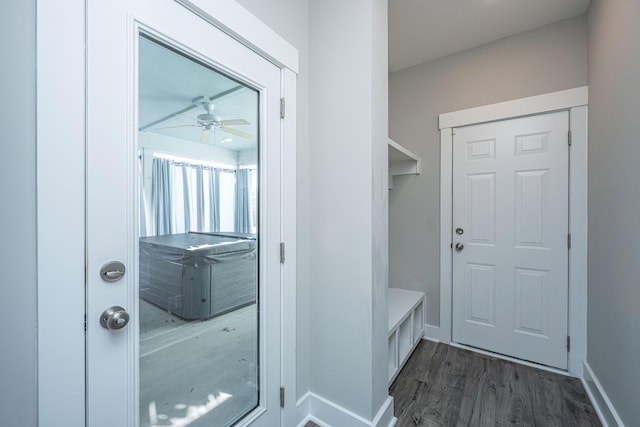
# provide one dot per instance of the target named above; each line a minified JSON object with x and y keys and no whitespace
{"x":201,"y":345}
{"x":510,"y":237}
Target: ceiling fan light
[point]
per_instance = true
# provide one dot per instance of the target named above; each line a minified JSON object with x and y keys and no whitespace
{"x":206,"y":117}
{"x":227,"y":139}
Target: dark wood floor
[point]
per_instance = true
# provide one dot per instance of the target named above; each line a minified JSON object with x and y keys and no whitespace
{"x":446,"y":386}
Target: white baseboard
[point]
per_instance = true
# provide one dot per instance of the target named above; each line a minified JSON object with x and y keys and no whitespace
{"x":431,"y":333}
{"x":604,"y":408}
{"x":325,"y":413}
{"x":303,"y":412}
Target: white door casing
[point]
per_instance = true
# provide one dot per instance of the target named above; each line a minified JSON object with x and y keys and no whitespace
{"x":112,"y":199}
{"x":510,"y":213}
{"x":575,"y":101}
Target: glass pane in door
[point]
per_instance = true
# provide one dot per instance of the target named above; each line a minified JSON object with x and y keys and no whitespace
{"x":198,"y":315}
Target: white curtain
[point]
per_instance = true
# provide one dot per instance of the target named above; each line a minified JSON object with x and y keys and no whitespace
{"x":185,"y":197}
{"x":243,"y":202}
{"x":161,"y":198}
{"x":142,"y":205}
{"x":214,"y":202}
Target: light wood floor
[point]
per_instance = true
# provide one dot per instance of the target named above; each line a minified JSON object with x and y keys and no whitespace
{"x":197,"y":373}
{"x":446,"y":386}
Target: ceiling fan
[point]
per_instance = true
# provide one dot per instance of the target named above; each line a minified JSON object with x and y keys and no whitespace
{"x":210,"y":122}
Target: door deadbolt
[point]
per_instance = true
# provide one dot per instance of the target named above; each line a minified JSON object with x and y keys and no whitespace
{"x":114,"y":318}
{"x":459,"y":231}
{"x":112,"y":271}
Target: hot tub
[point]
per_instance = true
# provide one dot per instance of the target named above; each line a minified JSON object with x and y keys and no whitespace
{"x":198,"y":275}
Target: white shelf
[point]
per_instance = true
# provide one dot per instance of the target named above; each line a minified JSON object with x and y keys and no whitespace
{"x":406,"y":326}
{"x":401,"y":162}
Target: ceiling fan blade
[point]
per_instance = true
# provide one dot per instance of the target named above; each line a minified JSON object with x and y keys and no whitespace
{"x":238,"y":133}
{"x":174,"y":127}
{"x":205,"y":136}
{"x":234,"y":122}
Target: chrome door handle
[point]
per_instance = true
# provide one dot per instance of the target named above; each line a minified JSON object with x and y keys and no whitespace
{"x":114,"y":318}
{"x":459,"y":247}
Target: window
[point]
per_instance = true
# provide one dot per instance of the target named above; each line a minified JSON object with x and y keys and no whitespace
{"x":189,"y":195}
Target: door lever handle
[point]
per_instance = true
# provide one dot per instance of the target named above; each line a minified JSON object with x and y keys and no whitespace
{"x":459,"y":247}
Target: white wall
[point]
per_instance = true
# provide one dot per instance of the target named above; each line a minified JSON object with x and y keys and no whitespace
{"x":156,"y":143}
{"x":614,"y":203}
{"x":380,"y":203}
{"x":18,"y":215}
{"x":348,"y":108}
{"x":545,"y":60}
{"x":289,"y":18}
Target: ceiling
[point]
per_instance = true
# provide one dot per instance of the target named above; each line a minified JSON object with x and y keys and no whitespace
{"x":422,"y":30}
{"x":419,"y":31}
{"x":168,"y":84}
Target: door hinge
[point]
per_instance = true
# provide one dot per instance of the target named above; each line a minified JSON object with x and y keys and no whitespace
{"x":85,"y":323}
{"x":569,"y":241}
{"x":568,"y":343}
{"x":569,"y":140}
{"x":281,"y":252}
{"x":282,"y":108}
{"x":282,"y":397}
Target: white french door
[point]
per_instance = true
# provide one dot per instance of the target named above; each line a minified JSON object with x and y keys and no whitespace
{"x":202,"y":344}
{"x":510,"y":231}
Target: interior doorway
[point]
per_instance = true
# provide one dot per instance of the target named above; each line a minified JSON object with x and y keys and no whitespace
{"x":574,"y":101}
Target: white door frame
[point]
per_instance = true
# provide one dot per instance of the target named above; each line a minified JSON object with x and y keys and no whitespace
{"x":575,"y":101}
{"x":61,"y":127}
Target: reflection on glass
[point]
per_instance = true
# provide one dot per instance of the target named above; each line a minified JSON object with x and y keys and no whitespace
{"x":198,"y":242}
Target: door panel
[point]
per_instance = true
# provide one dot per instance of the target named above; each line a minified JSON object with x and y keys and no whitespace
{"x":482,"y":203}
{"x":482,"y":286}
{"x":510,"y":199}
{"x":177,"y":112}
{"x":531,"y":194}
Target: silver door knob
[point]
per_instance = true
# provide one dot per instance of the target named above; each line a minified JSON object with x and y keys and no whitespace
{"x":459,"y":247}
{"x":114,"y":318}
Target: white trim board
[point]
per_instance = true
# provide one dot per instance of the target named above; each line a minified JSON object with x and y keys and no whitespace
{"x":288,"y":226}
{"x":561,"y":100}
{"x":604,"y":408}
{"x":326,"y":413}
{"x":573,"y":100}
{"x":60,"y":140}
{"x":240,"y":24}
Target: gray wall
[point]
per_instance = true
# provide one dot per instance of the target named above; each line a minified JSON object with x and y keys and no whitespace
{"x":613,"y":348}
{"x":548,"y":59}
{"x":346,"y":95}
{"x":18,"y":395}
